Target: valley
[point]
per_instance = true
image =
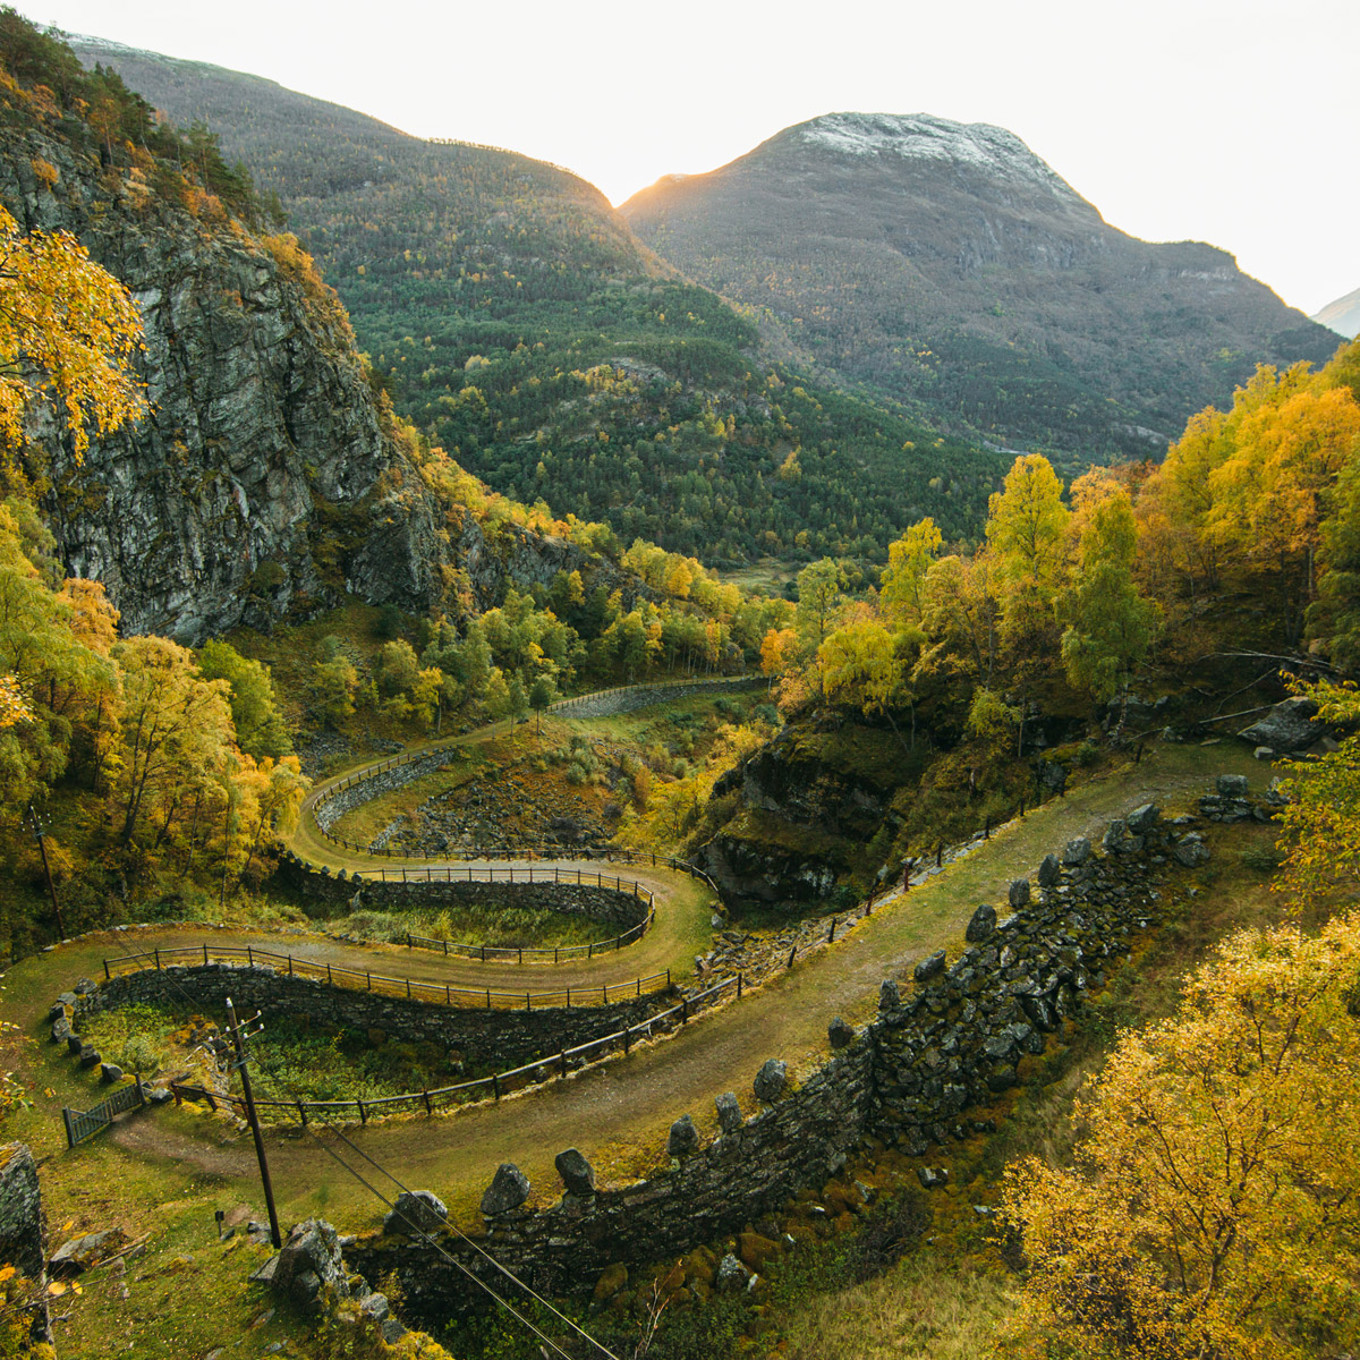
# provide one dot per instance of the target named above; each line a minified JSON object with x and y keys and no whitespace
{"x":736,"y":747}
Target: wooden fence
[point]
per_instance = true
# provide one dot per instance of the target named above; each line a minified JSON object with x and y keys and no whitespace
{"x":557,"y":1065}
{"x":503,"y":953}
{"x":83,"y":1124}
{"x":481,"y":998}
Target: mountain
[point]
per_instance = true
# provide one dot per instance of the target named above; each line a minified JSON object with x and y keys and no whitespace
{"x":518,"y":321}
{"x":1342,"y":316}
{"x":947,"y":264}
{"x":268,"y":478}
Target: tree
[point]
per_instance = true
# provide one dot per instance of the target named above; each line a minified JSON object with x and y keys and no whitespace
{"x":1321,"y":822}
{"x":260,"y":730}
{"x":542,"y":695}
{"x":176,"y":730}
{"x":334,"y":683}
{"x":1212,"y":1211}
{"x":819,"y":596}
{"x":909,"y":559}
{"x":1110,"y":626}
{"x":1027,"y":528}
{"x":69,"y":332}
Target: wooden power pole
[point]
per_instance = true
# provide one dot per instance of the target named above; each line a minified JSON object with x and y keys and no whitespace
{"x":39,"y":832}
{"x":241,"y":1064}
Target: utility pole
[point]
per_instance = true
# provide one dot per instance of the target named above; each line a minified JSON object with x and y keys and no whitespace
{"x":39,"y":832}
{"x":239,"y":1040}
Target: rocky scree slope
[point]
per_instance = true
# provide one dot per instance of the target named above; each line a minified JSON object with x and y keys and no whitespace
{"x":265,"y":480}
{"x":948,"y":264}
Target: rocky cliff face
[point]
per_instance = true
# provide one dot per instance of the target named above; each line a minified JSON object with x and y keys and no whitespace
{"x":260,"y":482}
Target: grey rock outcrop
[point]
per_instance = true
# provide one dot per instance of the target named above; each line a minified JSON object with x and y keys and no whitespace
{"x":840,"y":1034}
{"x":23,"y":1233}
{"x":1050,"y":870}
{"x":1289,"y":726}
{"x":1018,"y":895}
{"x":929,"y":967}
{"x":1076,"y":852}
{"x":309,"y":1264}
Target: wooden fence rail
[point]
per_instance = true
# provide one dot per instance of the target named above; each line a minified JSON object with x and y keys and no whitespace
{"x":504,"y":953}
{"x":556,"y":1065}
{"x":83,"y":1124}
{"x":480,"y":998}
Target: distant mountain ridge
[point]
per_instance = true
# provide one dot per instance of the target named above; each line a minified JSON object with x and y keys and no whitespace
{"x":1342,"y":316}
{"x":948,"y":264}
{"x":513,"y":315}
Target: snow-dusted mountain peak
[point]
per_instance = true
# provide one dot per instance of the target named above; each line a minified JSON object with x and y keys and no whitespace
{"x":922,"y":136}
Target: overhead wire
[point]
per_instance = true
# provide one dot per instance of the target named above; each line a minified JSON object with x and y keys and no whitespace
{"x":416,"y":1229}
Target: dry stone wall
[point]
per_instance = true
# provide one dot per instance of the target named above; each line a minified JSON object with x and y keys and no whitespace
{"x":619,"y":907}
{"x":954,"y":1042}
{"x":494,"y":1040}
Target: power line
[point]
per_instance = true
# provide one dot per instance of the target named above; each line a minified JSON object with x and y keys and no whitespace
{"x":416,"y":1230}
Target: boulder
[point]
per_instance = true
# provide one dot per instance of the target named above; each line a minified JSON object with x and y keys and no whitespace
{"x":310,"y":1263}
{"x":61,"y":1030}
{"x":683,"y":1137}
{"x":771,"y":1080}
{"x":110,"y":1072}
{"x":84,"y":1253}
{"x":509,"y":1189}
{"x":732,"y":1276}
{"x":577,"y":1174}
{"x":982,"y":925}
{"x":889,"y":998}
{"x":1018,"y":896}
{"x":1050,"y":870}
{"x":930,"y":1177}
{"x":840,"y":1034}
{"x":1116,"y":838}
{"x":1289,"y":726}
{"x":1190,"y":850}
{"x":416,"y":1211}
{"x":1076,"y":852}
{"x":1143,"y":818}
{"x":729,"y":1112}
{"x":1233,"y":786}
{"x":929,"y":968}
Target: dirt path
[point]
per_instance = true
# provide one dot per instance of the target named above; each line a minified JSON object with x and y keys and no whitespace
{"x":618,"y":1113}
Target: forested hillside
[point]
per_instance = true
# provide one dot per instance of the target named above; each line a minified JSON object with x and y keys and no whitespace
{"x":949,"y":266}
{"x":517,"y":321}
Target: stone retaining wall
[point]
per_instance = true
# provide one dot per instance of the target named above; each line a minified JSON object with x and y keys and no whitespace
{"x":488,"y":1040}
{"x":328,"y":810}
{"x":23,"y":1234}
{"x":610,"y":703}
{"x":957,"y":1040}
{"x":612,"y":906}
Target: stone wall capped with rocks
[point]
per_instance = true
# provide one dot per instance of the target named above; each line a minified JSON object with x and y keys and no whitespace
{"x":487,"y":1039}
{"x":960,"y":1037}
{"x":619,"y":907}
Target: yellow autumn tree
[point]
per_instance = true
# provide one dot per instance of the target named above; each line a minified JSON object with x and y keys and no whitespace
{"x":1320,"y":825}
{"x":1212,"y":1210}
{"x":69,"y":332}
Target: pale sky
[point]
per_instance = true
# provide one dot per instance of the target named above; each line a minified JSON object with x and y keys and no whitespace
{"x":1234,"y":123}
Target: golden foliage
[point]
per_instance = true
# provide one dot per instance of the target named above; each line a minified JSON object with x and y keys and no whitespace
{"x":1212,"y":1211}
{"x":68,"y":334}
